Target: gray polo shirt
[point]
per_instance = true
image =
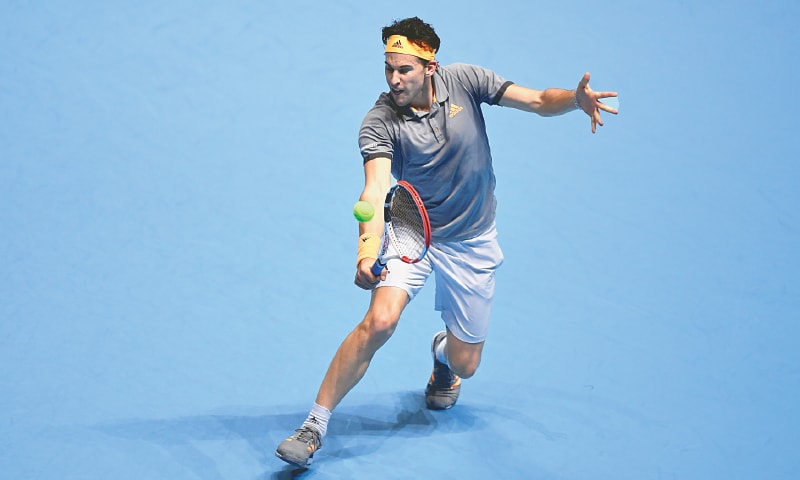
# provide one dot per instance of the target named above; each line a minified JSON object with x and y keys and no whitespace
{"x":443,"y":153}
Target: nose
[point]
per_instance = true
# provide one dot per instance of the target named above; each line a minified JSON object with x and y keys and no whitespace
{"x":394,"y":78}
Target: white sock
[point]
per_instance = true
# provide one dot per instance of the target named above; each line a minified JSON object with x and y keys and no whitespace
{"x":439,"y":352}
{"x":318,"y":419}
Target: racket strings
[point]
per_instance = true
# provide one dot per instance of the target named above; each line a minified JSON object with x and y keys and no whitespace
{"x":407,"y":224}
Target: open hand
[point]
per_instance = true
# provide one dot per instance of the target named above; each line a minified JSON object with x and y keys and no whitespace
{"x":589,"y":101}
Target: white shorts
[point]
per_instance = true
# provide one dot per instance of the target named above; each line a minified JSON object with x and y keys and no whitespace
{"x":464,"y":282}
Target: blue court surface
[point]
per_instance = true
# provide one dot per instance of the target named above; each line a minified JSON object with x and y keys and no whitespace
{"x":177,"y":244}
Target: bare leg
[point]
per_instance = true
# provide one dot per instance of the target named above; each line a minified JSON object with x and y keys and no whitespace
{"x":463,"y":358}
{"x":356,"y":351}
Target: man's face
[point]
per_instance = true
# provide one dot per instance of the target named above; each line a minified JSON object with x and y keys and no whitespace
{"x":406,"y":75}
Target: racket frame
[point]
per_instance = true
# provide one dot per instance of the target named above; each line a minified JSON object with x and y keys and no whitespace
{"x":389,"y":238}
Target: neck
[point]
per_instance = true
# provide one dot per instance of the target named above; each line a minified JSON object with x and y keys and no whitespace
{"x":425,"y":103}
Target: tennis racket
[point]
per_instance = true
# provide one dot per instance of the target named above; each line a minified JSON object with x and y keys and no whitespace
{"x":407,"y":229}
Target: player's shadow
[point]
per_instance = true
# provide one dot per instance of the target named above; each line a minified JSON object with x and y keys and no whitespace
{"x":354,"y":430}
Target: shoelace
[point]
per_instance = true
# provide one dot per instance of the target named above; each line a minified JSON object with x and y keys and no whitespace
{"x":307,"y":435}
{"x":442,"y":375}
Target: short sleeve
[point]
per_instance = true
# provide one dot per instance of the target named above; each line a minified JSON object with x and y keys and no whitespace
{"x":484,"y":84}
{"x":376,"y":136}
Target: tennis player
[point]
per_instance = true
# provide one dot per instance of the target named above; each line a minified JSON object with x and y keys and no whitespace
{"x":428,"y":129}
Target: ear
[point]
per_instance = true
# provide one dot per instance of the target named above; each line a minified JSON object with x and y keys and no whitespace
{"x":430,"y":68}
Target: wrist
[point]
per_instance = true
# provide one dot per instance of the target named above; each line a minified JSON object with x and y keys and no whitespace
{"x":368,"y":245}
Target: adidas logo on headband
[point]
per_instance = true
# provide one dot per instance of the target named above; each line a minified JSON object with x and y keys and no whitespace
{"x":401,"y":44}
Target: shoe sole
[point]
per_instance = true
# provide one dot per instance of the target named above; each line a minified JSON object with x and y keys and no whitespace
{"x":436,"y":407}
{"x":292,"y":462}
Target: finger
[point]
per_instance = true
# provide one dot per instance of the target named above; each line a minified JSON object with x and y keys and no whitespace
{"x":602,"y":106}
{"x":610,"y":102}
{"x":584,"y":80}
{"x":598,"y":118}
{"x":367,"y":284}
{"x":373,"y":280}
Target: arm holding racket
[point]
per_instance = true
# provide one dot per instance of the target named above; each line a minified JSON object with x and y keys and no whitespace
{"x":377,"y":180}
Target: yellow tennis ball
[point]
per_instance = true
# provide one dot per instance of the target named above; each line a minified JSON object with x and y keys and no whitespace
{"x":363,"y":211}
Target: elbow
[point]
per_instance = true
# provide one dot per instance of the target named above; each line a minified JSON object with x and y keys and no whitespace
{"x":374,"y":193}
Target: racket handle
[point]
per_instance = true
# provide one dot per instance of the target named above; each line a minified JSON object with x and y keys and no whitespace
{"x":377,"y":267}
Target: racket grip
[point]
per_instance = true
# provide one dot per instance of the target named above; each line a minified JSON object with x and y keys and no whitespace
{"x":377,"y":267}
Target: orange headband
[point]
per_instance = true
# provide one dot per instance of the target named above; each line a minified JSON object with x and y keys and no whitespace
{"x":401,"y":44}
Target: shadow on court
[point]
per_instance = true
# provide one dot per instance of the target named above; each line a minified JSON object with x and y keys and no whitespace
{"x":350,"y":435}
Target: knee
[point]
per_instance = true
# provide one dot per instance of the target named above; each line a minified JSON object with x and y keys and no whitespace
{"x":379,"y":325}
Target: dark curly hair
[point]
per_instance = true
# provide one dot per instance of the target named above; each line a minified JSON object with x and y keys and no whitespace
{"x":414,"y":29}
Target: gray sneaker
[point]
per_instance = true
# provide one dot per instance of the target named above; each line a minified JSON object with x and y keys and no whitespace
{"x":444,"y":386}
{"x":299,"y":448}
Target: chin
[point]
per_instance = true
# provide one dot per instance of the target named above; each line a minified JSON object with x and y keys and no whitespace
{"x":401,"y":101}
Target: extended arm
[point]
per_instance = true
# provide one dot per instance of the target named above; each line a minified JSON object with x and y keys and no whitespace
{"x":557,"y":101}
